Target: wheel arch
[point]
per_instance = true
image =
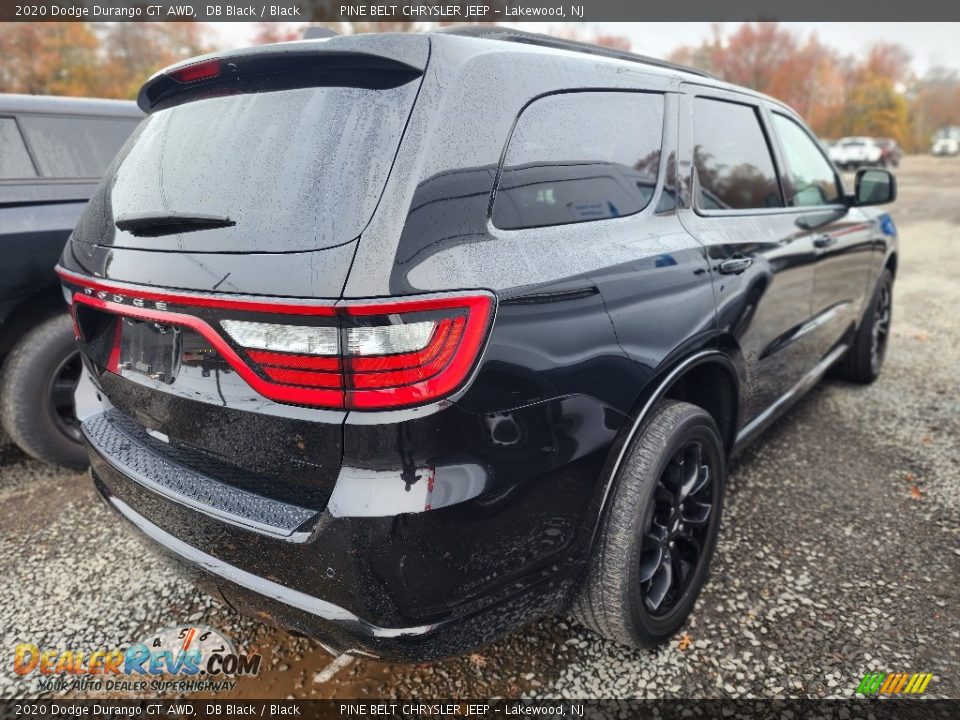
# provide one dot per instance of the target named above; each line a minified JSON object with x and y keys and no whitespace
{"x":891,"y":264}
{"x":709,"y":379}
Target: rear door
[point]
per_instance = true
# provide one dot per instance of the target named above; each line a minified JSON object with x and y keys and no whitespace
{"x":761,"y":255}
{"x":842,"y":237}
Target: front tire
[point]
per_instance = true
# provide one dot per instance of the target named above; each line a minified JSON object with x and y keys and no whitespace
{"x":660,"y":530}
{"x":36,"y":394}
{"x":864,"y":359}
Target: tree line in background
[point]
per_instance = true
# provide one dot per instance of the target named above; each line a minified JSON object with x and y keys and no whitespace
{"x":875,"y":93}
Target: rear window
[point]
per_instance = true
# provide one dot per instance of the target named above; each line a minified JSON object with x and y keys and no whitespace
{"x":577,"y":157}
{"x":14,"y":159}
{"x":295,"y":169}
{"x":75,"y":147}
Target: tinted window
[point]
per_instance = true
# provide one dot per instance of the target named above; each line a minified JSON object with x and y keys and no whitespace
{"x":294,"y":169}
{"x":75,"y":147}
{"x":578,"y":157}
{"x":14,"y":160}
{"x":732,"y":158}
{"x":811,"y":175}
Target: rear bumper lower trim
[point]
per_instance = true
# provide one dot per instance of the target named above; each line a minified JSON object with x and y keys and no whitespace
{"x":259,"y":585}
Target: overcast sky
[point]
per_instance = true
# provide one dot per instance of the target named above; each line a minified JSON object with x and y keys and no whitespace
{"x":931,"y":44}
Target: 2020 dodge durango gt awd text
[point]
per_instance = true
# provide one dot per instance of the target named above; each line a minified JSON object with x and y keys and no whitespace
{"x":402,"y":341}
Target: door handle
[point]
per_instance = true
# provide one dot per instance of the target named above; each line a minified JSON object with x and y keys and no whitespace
{"x":735,"y":265}
{"x":824,"y":241}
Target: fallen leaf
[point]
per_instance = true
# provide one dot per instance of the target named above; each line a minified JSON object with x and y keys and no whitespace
{"x":685,"y":642}
{"x":909,"y":477}
{"x":915,"y":492}
{"x":478,"y":660}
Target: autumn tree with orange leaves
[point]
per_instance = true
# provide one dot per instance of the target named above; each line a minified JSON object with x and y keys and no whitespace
{"x":92,"y":59}
{"x":837,"y":94}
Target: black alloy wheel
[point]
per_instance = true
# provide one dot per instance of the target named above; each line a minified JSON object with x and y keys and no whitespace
{"x":676,"y":529}
{"x":881,"y":327}
{"x":653,"y":556}
{"x":60,"y":391}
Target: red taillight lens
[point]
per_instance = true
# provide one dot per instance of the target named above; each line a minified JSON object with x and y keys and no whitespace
{"x":381,"y":356}
{"x":452,"y":332}
{"x":365,"y":355}
{"x":204,"y":70}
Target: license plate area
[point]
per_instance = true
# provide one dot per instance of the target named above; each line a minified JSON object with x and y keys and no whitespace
{"x":151,"y":349}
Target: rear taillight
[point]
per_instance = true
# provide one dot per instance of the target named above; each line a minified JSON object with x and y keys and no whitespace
{"x":365,"y":355}
{"x":380,"y":355}
{"x":406,"y":353}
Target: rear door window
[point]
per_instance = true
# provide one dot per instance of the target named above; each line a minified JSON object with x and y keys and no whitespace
{"x":577,"y":157}
{"x":14,"y":159}
{"x":732,"y":158}
{"x":75,"y":147}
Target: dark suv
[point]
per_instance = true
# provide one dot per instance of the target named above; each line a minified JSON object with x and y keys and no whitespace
{"x":402,"y":341}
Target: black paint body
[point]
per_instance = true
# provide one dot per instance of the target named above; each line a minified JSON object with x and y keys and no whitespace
{"x":594,"y":321}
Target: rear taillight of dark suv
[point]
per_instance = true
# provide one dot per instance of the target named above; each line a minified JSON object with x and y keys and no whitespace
{"x":365,"y":355}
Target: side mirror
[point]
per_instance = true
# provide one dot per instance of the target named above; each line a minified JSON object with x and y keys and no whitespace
{"x":874,"y":187}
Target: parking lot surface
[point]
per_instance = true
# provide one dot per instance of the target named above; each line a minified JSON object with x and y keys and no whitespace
{"x":839,"y":553}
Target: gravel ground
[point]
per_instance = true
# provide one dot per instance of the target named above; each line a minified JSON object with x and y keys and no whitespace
{"x":840,"y":552}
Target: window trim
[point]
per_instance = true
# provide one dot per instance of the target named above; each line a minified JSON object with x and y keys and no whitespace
{"x":788,"y":174}
{"x":26,"y":145}
{"x":661,"y":165}
{"x":772,"y":148}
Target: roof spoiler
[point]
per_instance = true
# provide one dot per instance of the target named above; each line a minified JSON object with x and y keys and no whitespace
{"x":340,"y":62}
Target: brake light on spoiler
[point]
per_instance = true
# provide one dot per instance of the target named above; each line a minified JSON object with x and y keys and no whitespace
{"x":363,"y":355}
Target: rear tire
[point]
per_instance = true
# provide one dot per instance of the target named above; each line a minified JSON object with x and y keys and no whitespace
{"x":864,"y":359}
{"x":660,"y":530}
{"x":36,"y":394}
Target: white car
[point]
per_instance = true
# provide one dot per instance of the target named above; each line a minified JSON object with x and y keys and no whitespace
{"x":853,"y":152}
{"x":947,"y":141}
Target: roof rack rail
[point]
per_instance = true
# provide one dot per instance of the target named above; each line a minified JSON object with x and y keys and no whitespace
{"x":529,"y":38}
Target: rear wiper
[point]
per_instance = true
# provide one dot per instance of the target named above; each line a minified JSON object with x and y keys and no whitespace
{"x":153,"y":224}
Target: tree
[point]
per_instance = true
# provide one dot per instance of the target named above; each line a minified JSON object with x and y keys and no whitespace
{"x":269,"y":32}
{"x":49,"y":58}
{"x":936,"y":103}
{"x":133,"y":51}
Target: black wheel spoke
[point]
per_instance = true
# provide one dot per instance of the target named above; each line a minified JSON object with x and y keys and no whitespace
{"x":697,"y":483}
{"x":656,"y":533}
{"x":695,"y":513}
{"x":652,"y":560}
{"x":660,"y":584}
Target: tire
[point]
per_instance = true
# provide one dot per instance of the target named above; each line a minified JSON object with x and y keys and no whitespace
{"x":36,"y":394}
{"x":619,"y":594}
{"x":864,"y":360}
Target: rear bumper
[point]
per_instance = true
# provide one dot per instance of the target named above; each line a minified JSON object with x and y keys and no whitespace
{"x":413,"y":587}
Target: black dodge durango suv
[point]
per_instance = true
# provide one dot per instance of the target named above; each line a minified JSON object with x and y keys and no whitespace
{"x":402,"y":341}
